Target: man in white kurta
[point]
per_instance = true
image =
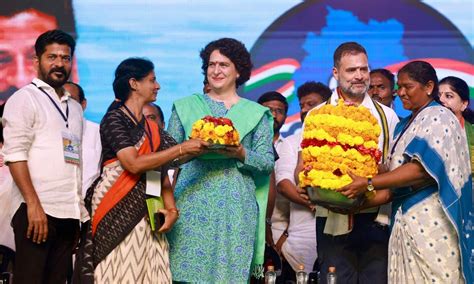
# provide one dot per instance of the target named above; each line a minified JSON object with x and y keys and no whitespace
{"x":356,"y":244}
{"x":300,"y":245}
{"x":91,"y":145}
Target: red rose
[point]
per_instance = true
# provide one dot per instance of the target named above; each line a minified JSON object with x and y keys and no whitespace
{"x":227,"y":121}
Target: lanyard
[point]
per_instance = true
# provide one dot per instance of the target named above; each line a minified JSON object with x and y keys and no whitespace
{"x":147,"y":133}
{"x":65,"y":117}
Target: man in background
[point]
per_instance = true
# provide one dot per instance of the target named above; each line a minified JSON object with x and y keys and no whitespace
{"x":277,"y":207}
{"x":382,"y":86}
{"x":299,"y":245}
{"x":91,"y":146}
{"x":7,"y":238}
{"x":153,"y":111}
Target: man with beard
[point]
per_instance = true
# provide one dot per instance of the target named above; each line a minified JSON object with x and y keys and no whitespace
{"x":277,"y":207}
{"x":21,"y":22}
{"x":356,"y":244}
{"x":278,"y":105}
{"x":42,"y":132}
{"x":300,"y":244}
{"x":382,"y":86}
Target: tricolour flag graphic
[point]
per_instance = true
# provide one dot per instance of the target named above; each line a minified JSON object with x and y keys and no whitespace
{"x":444,"y":68}
{"x":278,"y":70}
{"x":281,"y":69}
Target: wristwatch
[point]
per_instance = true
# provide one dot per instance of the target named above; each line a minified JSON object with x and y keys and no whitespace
{"x":370,"y":186}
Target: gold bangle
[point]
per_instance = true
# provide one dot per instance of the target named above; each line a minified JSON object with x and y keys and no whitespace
{"x":175,"y":210}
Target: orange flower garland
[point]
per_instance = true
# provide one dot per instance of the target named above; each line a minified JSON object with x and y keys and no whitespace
{"x":215,"y":130}
{"x":336,"y":140}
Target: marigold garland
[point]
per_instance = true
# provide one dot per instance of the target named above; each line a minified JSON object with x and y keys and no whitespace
{"x":336,"y":140}
{"x":215,"y":130}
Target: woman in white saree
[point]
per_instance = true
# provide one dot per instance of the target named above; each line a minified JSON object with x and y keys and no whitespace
{"x":430,"y":186}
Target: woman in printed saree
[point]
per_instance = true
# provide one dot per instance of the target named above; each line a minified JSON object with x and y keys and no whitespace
{"x":454,"y":94}
{"x":222,"y":195}
{"x":430,"y":185}
{"x":121,"y":245}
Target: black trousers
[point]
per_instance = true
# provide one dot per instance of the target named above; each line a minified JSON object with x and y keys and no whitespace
{"x":360,"y":256}
{"x":47,"y":262}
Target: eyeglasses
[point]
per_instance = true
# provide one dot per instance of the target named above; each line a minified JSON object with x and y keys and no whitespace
{"x":279,"y":111}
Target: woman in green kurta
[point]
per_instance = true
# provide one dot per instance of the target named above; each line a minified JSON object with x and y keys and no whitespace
{"x":222,"y":195}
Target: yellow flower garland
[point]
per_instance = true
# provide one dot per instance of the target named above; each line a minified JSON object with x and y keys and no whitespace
{"x":216,"y":130}
{"x":336,"y":140}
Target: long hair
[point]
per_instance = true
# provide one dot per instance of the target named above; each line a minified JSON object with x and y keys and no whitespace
{"x":461,"y":88}
{"x":421,"y":72}
{"x":136,"y":68}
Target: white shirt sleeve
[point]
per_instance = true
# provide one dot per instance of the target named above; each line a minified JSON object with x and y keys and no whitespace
{"x":18,"y":120}
{"x":286,"y":164}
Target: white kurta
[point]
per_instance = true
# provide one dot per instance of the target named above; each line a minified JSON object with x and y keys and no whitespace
{"x":300,"y":246}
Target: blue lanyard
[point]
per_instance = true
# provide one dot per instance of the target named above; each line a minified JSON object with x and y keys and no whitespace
{"x":65,"y":117}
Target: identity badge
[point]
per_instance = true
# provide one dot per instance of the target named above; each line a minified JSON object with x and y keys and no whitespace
{"x":71,"y":144}
{"x":153,"y":183}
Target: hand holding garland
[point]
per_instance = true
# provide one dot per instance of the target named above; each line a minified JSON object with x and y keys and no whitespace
{"x":236,"y":152}
{"x":409,"y":174}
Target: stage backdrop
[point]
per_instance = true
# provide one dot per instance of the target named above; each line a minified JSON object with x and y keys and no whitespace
{"x":290,"y":41}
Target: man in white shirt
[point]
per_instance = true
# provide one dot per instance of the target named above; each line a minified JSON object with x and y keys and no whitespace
{"x":356,"y":244}
{"x":42,"y":131}
{"x":300,"y":245}
{"x":278,"y":207}
{"x":91,"y":146}
{"x":6,"y":231}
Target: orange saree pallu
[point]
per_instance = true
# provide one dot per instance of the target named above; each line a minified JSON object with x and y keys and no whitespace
{"x":117,"y":244}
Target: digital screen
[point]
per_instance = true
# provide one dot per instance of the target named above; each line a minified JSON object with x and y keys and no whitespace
{"x":290,"y":41}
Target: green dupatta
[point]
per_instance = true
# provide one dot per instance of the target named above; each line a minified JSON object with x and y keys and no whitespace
{"x":245,"y":115}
